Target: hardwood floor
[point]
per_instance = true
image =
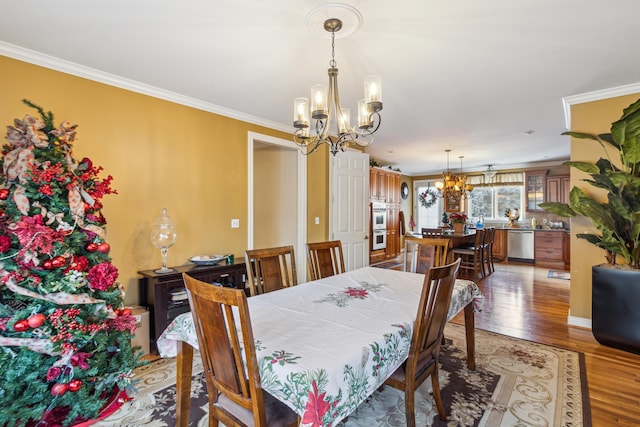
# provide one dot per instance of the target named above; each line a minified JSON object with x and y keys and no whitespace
{"x":520,"y":301}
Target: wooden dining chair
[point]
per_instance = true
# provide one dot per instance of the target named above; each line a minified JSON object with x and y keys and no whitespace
{"x":236,"y":397}
{"x":489,"y":237}
{"x":325,"y":259}
{"x":431,"y":232}
{"x":270,"y":269}
{"x":422,"y":254}
{"x":428,"y":332}
{"x":472,"y":262}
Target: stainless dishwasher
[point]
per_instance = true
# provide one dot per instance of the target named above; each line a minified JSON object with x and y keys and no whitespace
{"x":520,"y":245}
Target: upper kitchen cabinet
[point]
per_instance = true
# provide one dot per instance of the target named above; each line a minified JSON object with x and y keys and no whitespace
{"x":378,"y":184}
{"x":535,"y":183}
{"x":558,"y":188}
{"x":384,"y":185}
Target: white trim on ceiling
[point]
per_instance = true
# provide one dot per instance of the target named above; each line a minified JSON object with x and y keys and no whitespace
{"x":57,"y":64}
{"x":596,"y":95}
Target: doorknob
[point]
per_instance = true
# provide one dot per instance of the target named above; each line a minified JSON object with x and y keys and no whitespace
{"x":366,"y":237}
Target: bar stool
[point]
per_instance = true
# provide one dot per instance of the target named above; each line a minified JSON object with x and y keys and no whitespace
{"x":472,"y":262}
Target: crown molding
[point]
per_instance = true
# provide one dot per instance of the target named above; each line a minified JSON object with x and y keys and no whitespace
{"x":596,"y":95}
{"x":67,"y":67}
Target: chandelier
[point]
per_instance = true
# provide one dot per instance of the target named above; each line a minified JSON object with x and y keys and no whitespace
{"x":453,"y":187}
{"x":325,"y":109}
{"x":490,"y":173}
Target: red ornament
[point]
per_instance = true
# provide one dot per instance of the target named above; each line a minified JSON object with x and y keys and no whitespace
{"x":125,"y":312}
{"x":58,"y":262}
{"x":21,"y":325}
{"x":4,"y":194}
{"x":48,"y":264}
{"x":36,"y":320}
{"x":59,"y":389}
{"x":104,"y":247}
{"x":74,"y":385}
{"x":91,"y":247}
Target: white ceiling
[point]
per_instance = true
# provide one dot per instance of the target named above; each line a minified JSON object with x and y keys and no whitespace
{"x":467,"y":75}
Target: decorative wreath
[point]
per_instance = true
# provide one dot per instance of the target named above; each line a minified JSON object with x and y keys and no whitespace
{"x":428,"y":198}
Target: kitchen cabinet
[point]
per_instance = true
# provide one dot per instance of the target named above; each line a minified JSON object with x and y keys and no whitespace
{"x":500,"y":245}
{"x":385,"y":187}
{"x":549,"y":249}
{"x":162,"y":293}
{"x":535,"y":187}
{"x":393,"y":188}
{"x":393,"y":232}
{"x":567,"y":250}
{"x":558,"y":188}
{"x":378,"y":185}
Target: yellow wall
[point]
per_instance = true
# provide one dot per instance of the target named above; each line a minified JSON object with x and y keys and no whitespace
{"x":590,"y":117}
{"x":161,"y":154}
{"x":274,"y":175}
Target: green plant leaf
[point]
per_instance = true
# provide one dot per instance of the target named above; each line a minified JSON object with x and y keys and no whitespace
{"x":581,"y":135}
{"x":617,"y":219}
{"x":588,"y":167}
{"x":561,"y":209}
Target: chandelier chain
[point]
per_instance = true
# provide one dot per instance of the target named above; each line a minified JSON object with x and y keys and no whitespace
{"x":333,"y":62}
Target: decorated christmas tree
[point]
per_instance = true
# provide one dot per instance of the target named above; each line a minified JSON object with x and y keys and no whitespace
{"x":65,"y":335}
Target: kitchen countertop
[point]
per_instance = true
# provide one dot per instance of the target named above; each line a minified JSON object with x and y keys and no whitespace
{"x":536,"y":229}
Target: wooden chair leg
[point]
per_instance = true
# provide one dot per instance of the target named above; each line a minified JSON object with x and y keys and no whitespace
{"x":409,"y":406}
{"x":435,"y":384}
{"x":470,"y":334}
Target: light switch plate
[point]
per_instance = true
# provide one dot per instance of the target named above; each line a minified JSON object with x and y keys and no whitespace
{"x":235,"y":223}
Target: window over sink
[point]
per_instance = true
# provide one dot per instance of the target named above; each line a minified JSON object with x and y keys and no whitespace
{"x":492,"y":202}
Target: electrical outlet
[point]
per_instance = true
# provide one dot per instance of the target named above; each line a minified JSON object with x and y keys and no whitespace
{"x":235,"y":223}
{"x":317,"y":220}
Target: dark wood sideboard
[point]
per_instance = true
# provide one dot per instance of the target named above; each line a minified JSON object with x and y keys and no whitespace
{"x":157,"y":290}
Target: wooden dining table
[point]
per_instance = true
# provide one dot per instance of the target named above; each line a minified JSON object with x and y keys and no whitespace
{"x":458,"y":240}
{"x":461,"y":240}
{"x":324,"y":346}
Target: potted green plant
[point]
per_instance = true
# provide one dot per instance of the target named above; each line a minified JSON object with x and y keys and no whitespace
{"x":615,"y":284}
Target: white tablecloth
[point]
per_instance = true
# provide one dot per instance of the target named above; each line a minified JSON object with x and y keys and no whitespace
{"x":324,"y":346}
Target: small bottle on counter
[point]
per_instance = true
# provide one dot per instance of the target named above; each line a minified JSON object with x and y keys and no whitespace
{"x":534,"y":222}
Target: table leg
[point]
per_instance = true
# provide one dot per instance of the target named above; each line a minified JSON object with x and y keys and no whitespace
{"x":184,"y":363}
{"x":469,"y":327}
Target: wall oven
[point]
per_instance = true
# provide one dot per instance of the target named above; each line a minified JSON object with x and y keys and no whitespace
{"x":378,"y":226}
{"x":378,"y":216}
{"x":379,"y":240}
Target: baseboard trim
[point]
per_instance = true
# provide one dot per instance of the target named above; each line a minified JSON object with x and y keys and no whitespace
{"x":579,"y":321}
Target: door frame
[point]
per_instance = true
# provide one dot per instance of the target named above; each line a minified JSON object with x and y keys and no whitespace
{"x":301,"y":194}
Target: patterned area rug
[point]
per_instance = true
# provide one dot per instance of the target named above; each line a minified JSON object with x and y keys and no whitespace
{"x":388,"y":264}
{"x":516,"y":383}
{"x":554,"y":274}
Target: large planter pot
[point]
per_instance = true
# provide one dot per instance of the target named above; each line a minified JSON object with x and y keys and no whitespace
{"x":615,"y":307}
